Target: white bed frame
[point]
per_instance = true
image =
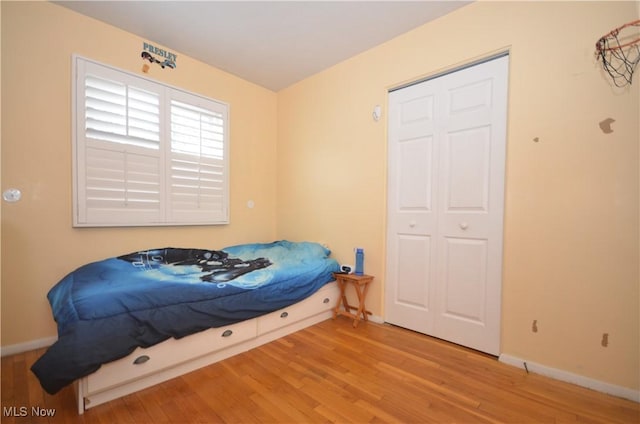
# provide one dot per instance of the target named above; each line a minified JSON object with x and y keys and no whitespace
{"x":146,"y":367}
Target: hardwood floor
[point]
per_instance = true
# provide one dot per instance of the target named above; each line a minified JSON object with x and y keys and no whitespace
{"x":332,"y":372}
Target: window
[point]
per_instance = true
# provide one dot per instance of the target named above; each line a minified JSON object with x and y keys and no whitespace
{"x":146,"y":153}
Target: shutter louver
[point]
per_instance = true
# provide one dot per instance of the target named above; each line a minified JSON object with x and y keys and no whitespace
{"x":118,"y":113}
{"x":122,"y":187}
{"x":198,"y":178}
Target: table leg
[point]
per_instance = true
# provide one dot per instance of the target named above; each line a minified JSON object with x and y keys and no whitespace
{"x":342,"y":299}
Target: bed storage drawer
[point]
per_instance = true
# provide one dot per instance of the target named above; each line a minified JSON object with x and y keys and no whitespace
{"x":169,"y":353}
{"x":323,"y":300}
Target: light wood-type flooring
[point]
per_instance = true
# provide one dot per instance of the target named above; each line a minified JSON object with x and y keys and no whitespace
{"x":332,"y":372}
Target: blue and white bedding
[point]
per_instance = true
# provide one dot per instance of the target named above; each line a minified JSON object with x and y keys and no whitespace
{"x":105,"y":310}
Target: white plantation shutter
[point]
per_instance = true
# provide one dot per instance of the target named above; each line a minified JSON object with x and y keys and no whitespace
{"x":146,"y":154}
{"x":197,"y":171}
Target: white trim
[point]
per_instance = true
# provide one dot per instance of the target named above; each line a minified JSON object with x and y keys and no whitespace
{"x":27,"y":346}
{"x":471,"y":64}
{"x":580,"y":380}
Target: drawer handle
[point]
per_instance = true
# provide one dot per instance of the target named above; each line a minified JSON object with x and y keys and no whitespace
{"x":227,"y":333}
{"x":141,"y":359}
{"x":326,"y":300}
{"x":284,"y":314}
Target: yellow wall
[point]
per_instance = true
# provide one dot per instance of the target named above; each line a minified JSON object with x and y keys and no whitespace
{"x":571,"y":226}
{"x":39,"y":246}
{"x":571,"y":218}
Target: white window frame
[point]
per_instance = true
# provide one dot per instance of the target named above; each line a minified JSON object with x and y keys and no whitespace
{"x":165,"y":210}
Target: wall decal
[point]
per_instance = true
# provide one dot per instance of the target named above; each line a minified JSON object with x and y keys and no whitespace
{"x":166,"y":59}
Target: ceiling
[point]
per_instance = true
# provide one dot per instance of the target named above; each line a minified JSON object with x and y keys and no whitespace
{"x":271,"y":43}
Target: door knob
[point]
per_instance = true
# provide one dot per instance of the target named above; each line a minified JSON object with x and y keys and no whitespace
{"x":412,"y":224}
{"x":464,"y":225}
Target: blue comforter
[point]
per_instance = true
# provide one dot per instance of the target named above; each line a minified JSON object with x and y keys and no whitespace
{"x":105,"y":310}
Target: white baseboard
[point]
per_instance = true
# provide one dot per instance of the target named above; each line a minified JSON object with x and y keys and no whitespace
{"x":568,"y":377}
{"x":27,"y":346}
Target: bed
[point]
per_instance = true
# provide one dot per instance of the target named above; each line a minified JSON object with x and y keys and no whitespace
{"x":132,"y":321}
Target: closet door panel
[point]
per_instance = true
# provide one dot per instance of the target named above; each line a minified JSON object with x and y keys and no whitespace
{"x":472,"y":143}
{"x":467,"y":160}
{"x":447,"y":152}
{"x":411,"y":208}
{"x":412,"y":251}
{"x":465,"y":279}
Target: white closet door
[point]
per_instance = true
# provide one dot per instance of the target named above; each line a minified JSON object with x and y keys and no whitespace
{"x":412,"y":198}
{"x":447,"y":142}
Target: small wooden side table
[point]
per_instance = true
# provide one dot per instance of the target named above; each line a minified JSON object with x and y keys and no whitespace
{"x":361,"y":284}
